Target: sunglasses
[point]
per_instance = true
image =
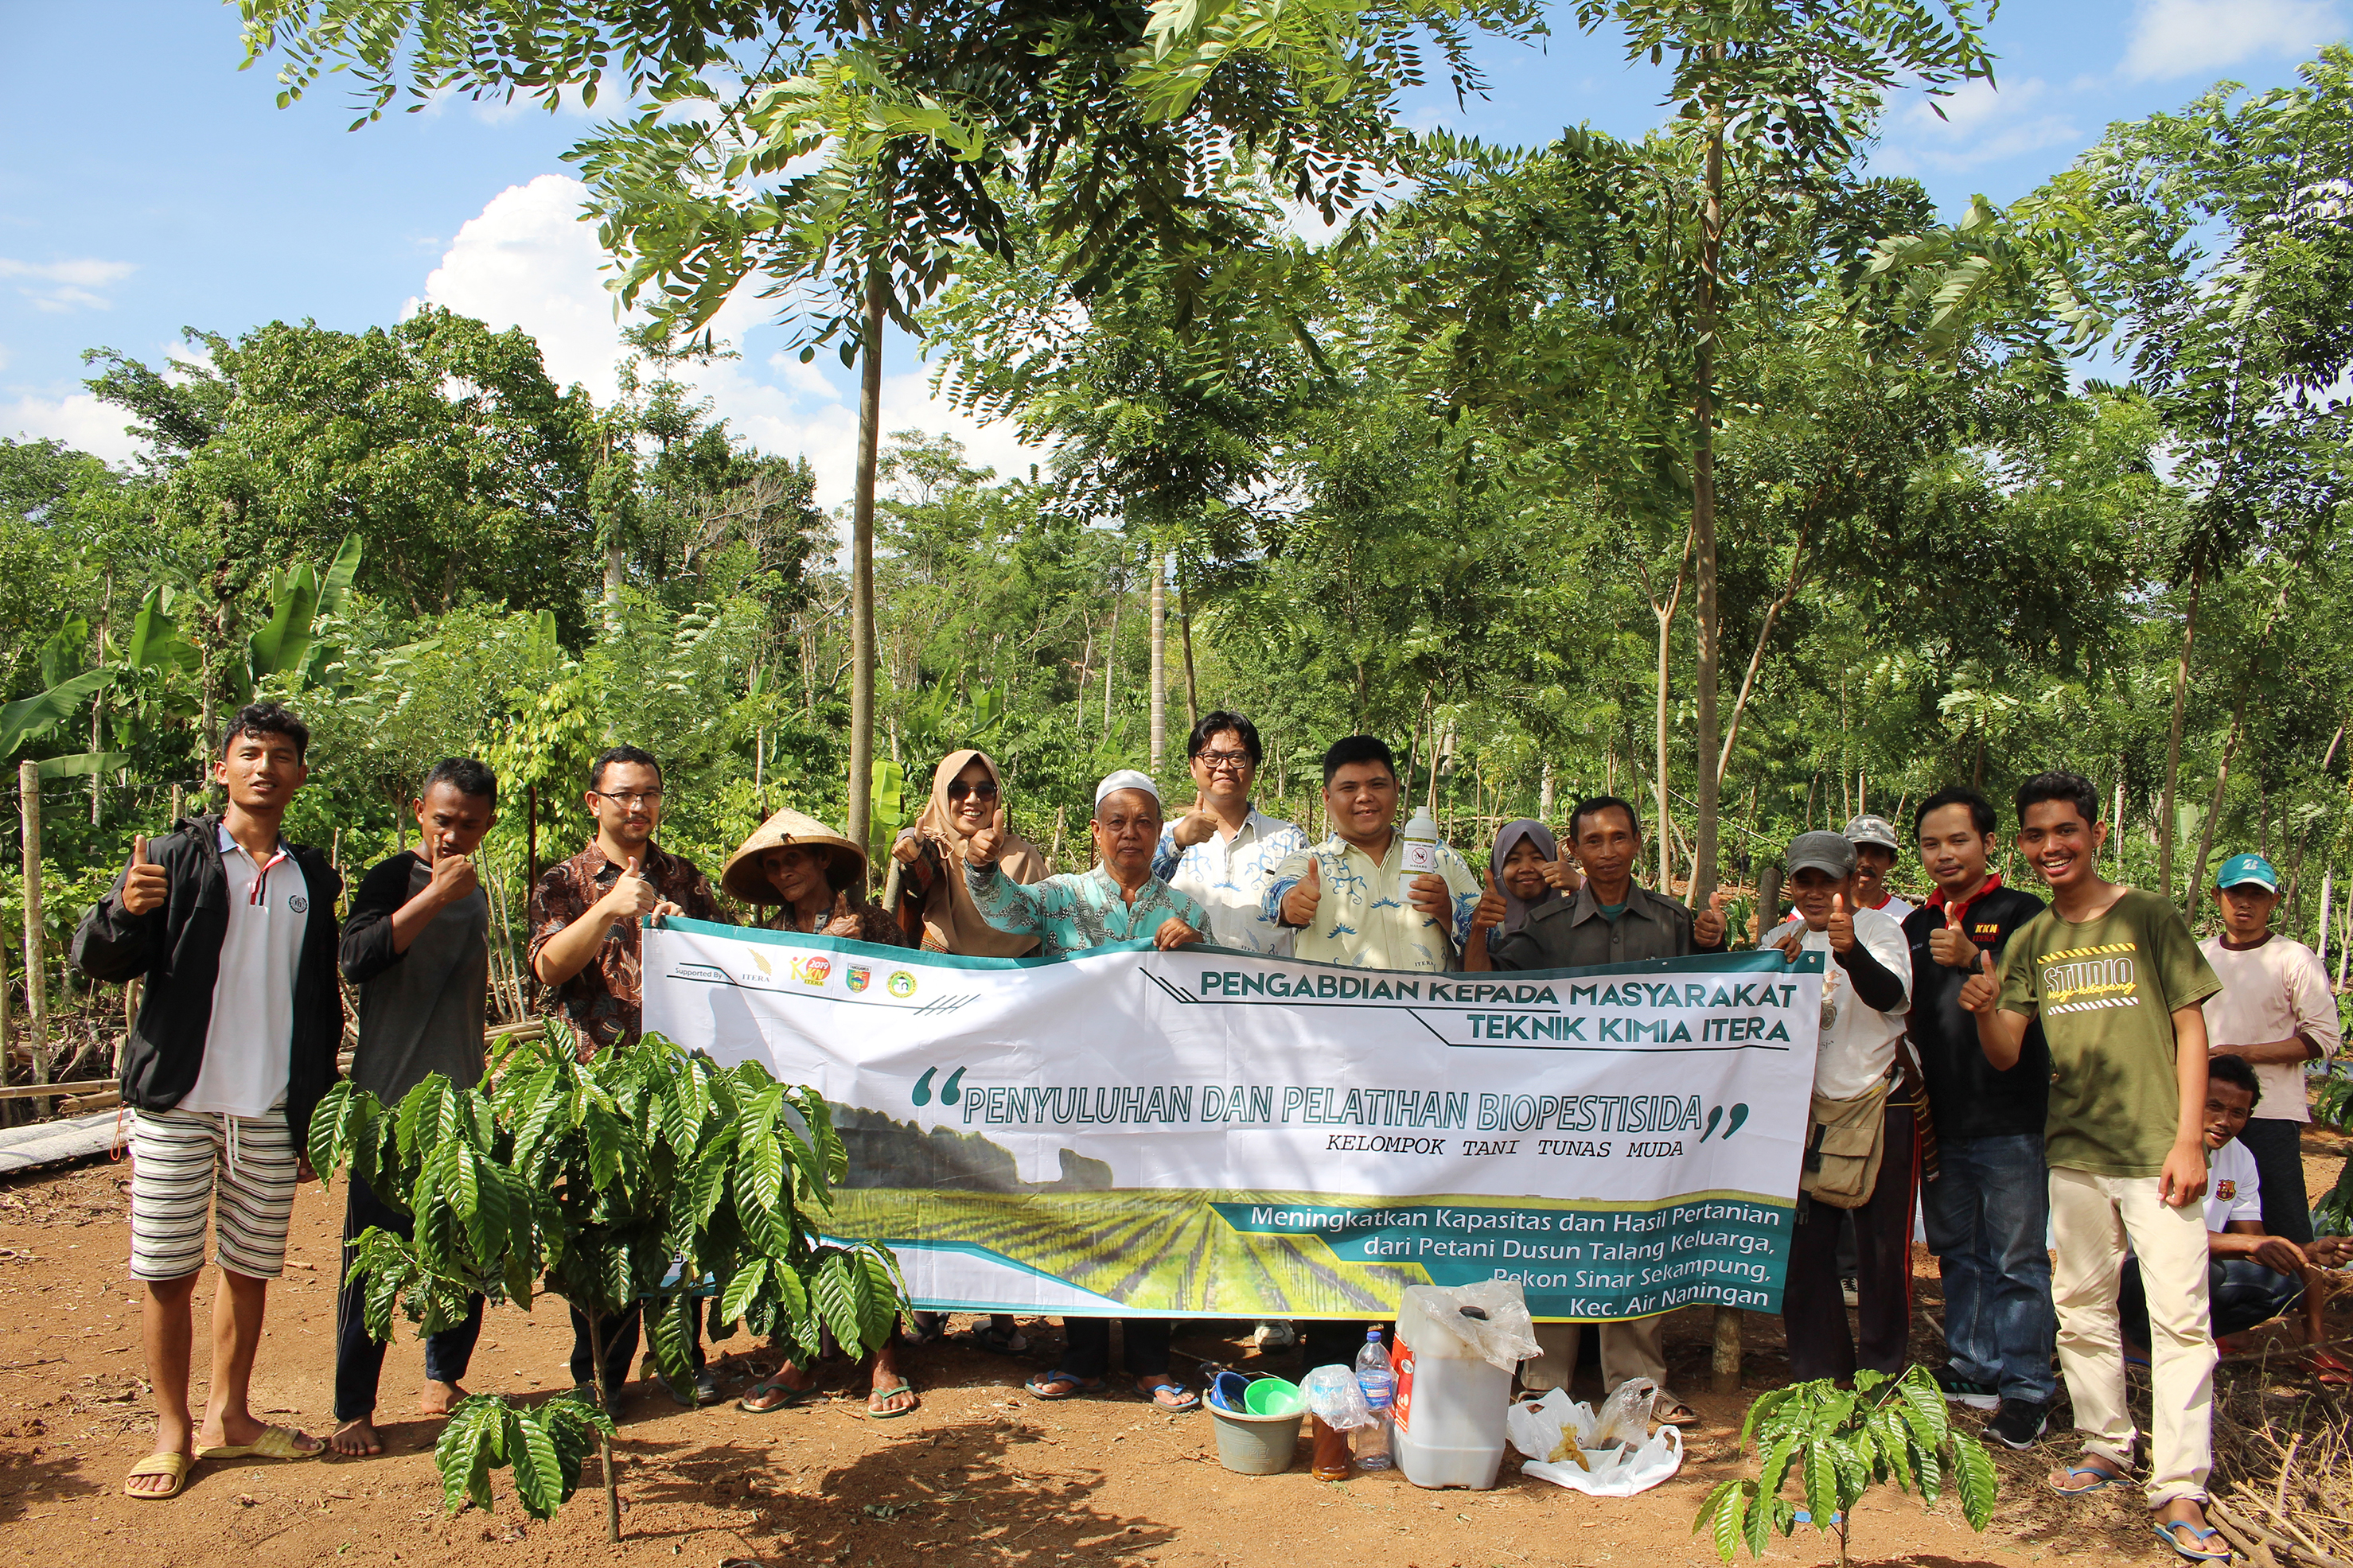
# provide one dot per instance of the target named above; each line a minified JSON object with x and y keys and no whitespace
{"x":960,"y":789}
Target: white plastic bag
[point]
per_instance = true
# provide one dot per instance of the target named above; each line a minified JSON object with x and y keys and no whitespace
{"x":1335,"y":1398}
{"x":1491,"y":1316}
{"x":1620,"y":1469}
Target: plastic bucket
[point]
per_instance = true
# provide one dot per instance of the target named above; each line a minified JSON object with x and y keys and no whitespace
{"x":1256,"y":1445}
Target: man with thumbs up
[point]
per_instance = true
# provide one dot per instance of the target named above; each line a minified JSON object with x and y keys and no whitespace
{"x":585,"y":915}
{"x":1866,"y":988}
{"x":1988,"y":1206}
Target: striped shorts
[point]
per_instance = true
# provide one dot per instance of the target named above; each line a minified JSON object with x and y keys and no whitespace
{"x":184,"y":1162}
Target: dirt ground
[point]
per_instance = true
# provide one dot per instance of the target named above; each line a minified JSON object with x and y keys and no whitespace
{"x":981,"y":1474}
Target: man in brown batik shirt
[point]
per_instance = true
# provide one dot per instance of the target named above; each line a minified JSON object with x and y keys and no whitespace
{"x":583,"y":914}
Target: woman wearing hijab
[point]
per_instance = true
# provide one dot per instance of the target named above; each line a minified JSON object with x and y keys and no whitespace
{"x":967,"y":791}
{"x":813,"y":879}
{"x":1526,"y":876}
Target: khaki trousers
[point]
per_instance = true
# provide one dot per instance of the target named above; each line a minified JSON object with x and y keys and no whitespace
{"x":1628,"y":1350}
{"x":2092,"y":1220}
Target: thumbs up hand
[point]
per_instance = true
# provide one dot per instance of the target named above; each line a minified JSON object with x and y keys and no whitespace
{"x":1195,"y":826}
{"x":1980,"y":991}
{"x":145,"y":886}
{"x":1562,"y":874}
{"x":1707,"y":927}
{"x":1841,"y":926}
{"x":1951,"y":945}
{"x":982,"y":847}
{"x":1490,"y":912}
{"x":1300,"y":903}
{"x":631,"y":895}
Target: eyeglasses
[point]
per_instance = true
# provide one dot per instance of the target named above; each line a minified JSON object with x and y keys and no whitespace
{"x":983,"y":791}
{"x":1224,"y":761}
{"x":625,"y":799}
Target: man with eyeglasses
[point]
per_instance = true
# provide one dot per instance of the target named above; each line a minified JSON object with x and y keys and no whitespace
{"x":1224,"y":851}
{"x":584,"y":947}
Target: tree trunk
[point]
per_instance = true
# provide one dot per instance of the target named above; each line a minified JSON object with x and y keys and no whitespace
{"x":1159,"y":661}
{"x":2173,"y":741}
{"x":1111,"y":654}
{"x":1711,"y":242}
{"x":861,"y":564}
{"x":604,"y":1443}
{"x":37,"y":1000}
{"x":1544,"y":794}
{"x":2214,"y":807}
{"x":1666,"y":619}
{"x":1185,"y":632}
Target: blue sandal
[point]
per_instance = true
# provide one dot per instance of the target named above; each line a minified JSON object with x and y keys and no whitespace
{"x":2191,"y":1554}
{"x":2107,"y":1480}
{"x":1071,"y":1385}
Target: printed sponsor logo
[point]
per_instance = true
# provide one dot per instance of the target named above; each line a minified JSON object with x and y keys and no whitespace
{"x":901,"y":985}
{"x":2225,"y":1190}
{"x":812,"y":969}
{"x":298,"y":904}
{"x":859,"y":977}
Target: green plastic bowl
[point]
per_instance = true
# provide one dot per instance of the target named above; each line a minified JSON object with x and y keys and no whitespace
{"x":1275,"y":1396}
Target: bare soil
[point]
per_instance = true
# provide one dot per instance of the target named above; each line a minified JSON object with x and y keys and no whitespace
{"x":981,"y":1474}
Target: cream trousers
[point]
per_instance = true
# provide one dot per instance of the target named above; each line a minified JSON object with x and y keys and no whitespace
{"x":1628,"y":1350}
{"x":2093,"y":1221}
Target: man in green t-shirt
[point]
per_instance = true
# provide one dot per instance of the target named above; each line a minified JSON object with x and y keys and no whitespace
{"x":2117,"y":980}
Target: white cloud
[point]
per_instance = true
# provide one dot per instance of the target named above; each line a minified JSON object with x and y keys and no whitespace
{"x":530,"y":260}
{"x":78,"y":419}
{"x":1980,"y":125}
{"x":2185,"y":37}
{"x":58,"y":286}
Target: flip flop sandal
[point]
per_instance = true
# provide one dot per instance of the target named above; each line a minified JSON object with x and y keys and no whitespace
{"x":1000,"y":1341}
{"x":752,"y":1403}
{"x":901,"y":1386}
{"x":1185,"y":1404}
{"x":173,"y":1464}
{"x":1071,"y":1384}
{"x":2192,"y":1553}
{"x":2106,"y":1480}
{"x":275,"y":1443}
{"x":1675,"y":1413}
{"x":2330,"y":1371}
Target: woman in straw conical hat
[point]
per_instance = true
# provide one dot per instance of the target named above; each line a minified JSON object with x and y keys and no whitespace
{"x":811,"y":879}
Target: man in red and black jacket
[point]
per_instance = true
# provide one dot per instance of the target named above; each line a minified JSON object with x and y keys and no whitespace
{"x":234,"y":932}
{"x":1988,"y":1206}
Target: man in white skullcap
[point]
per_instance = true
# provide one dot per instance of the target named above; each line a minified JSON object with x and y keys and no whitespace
{"x":1119,"y":900}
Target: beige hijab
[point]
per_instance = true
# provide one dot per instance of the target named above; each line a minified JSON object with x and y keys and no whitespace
{"x":951,"y":923}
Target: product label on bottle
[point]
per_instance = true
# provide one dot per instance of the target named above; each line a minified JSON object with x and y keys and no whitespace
{"x":1401,"y":1366}
{"x":1421,"y":855}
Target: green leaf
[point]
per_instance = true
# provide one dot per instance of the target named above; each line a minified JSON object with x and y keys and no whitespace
{"x":24,"y":721}
{"x":156,"y":641}
{"x":538,"y":1471}
{"x":1820,"y":1479}
{"x":84,"y":764}
{"x":1978,"y":1481}
{"x":337,"y":583}
{"x":742,"y":1289}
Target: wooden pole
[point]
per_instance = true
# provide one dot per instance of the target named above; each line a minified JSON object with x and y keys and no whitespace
{"x":37,"y":1004}
{"x":1725,"y":1364}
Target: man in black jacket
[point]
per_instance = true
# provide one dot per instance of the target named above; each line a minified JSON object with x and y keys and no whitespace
{"x":234,"y":932}
{"x":416,"y":944}
{"x":1988,"y":1208}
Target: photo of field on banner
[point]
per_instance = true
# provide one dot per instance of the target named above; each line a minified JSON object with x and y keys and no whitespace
{"x":1206,"y":1133}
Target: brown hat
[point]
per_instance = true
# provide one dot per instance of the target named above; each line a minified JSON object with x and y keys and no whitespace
{"x":742,"y":878}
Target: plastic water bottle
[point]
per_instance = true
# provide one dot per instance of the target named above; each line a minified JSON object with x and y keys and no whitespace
{"x":1379,"y":1384}
{"x":1421,"y":841}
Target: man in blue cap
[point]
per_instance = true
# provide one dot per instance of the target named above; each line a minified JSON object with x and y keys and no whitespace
{"x":2276,"y":1013}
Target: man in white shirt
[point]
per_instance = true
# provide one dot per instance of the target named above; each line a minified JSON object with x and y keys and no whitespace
{"x":2276,"y":1013}
{"x":233,"y":930}
{"x":1866,"y":990}
{"x":1875,"y":851}
{"x":1224,"y":851}
{"x":2252,"y":1275}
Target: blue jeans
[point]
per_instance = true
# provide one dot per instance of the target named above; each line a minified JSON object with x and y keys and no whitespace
{"x":1988,"y":1218}
{"x":2240,"y":1293}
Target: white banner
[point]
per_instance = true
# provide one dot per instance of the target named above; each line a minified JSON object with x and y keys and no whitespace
{"x":1213,"y":1133}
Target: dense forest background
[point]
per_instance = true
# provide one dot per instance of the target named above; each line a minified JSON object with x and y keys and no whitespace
{"x":2062,"y":485}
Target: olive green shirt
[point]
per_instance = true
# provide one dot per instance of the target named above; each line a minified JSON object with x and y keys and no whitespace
{"x":2106,"y":991}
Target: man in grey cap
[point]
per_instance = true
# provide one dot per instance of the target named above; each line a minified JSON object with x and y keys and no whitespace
{"x":1876,"y":848}
{"x":1866,"y":990}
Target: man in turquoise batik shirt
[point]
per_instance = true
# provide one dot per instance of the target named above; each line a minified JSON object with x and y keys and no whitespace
{"x":1119,"y":900}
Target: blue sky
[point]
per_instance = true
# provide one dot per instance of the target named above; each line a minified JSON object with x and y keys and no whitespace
{"x":158,"y":187}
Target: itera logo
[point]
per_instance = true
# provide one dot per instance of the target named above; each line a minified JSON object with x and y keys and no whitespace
{"x":949,"y":1091}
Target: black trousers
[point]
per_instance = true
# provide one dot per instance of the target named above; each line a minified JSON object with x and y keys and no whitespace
{"x":1813,"y":1313}
{"x":621,"y":1342}
{"x":2277,"y":1145}
{"x":1144,"y":1342}
{"x":359,"y":1355}
{"x":1326,"y":1342}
